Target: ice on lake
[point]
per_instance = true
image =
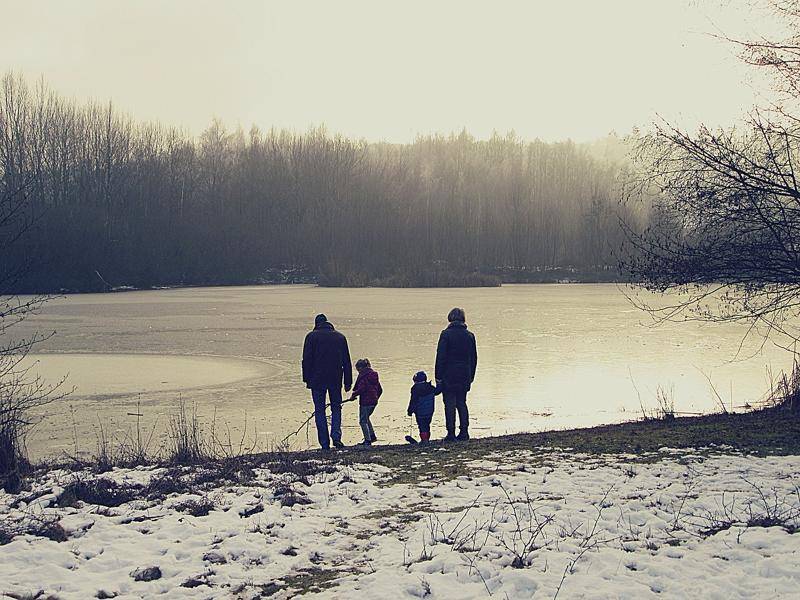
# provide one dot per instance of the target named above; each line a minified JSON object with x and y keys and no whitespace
{"x":549,"y":356}
{"x":101,"y":376}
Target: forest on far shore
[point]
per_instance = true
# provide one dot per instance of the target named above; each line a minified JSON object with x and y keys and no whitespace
{"x":115,"y":203}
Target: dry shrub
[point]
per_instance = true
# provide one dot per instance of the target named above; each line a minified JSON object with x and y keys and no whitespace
{"x":21,"y":395}
{"x":197,"y":507}
{"x":282,"y":461}
{"x":186,"y":444}
{"x":40,"y":526}
{"x":785,"y":391}
{"x":100,"y":491}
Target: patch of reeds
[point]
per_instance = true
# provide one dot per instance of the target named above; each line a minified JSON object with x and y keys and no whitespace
{"x":186,"y":443}
{"x":785,"y":389}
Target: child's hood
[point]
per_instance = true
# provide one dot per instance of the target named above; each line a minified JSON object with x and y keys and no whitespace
{"x":369,"y":375}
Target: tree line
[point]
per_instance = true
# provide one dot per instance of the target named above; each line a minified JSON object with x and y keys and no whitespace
{"x":118,"y":202}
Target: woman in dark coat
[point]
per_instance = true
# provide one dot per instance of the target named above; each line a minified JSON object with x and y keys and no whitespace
{"x":456,"y":361}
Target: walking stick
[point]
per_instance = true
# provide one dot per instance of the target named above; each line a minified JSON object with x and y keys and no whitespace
{"x":308,"y":420}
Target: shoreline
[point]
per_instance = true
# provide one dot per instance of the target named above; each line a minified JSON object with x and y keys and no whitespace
{"x":540,"y":279}
{"x":763,"y":432}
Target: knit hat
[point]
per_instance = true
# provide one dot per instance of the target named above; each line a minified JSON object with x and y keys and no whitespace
{"x":420,"y":376}
{"x":457,"y":314}
{"x":320,"y":318}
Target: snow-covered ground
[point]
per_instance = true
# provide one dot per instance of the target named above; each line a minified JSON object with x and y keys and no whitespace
{"x":522,"y":525}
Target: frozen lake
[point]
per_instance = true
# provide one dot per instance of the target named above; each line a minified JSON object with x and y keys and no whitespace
{"x":550,"y":356}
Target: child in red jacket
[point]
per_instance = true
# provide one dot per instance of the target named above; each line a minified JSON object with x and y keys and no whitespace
{"x":367,"y":389}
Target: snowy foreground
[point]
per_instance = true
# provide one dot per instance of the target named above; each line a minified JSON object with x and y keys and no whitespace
{"x":520,"y":525}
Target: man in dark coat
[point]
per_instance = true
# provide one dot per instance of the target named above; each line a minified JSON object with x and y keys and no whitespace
{"x":326,"y":364}
{"x":456,"y":361}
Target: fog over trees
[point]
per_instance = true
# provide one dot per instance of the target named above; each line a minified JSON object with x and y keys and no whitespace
{"x":117,"y":202}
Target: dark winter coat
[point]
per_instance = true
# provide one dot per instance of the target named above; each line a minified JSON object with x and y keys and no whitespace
{"x":368,"y":387}
{"x":326,"y":358}
{"x":422,"y":399}
{"x":456,"y":358}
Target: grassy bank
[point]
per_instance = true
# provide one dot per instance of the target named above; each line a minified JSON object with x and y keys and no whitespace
{"x":774,"y":431}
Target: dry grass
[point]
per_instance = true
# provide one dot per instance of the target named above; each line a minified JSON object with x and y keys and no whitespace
{"x":785,"y":390}
{"x":186,"y":443}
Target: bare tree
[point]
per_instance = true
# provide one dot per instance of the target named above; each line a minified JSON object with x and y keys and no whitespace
{"x":24,"y":162}
{"x":724,"y":227}
{"x":21,"y":391}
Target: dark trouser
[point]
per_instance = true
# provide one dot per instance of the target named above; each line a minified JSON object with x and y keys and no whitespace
{"x":321,"y":419}
{"x":456,"y":400}
{"x":424,"y":424}
{"x":364,"y":413}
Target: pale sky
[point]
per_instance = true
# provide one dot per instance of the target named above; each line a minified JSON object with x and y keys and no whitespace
{"x":391,"y":70}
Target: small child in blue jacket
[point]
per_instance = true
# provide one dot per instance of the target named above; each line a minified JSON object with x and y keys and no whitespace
{"x":422,"y":405}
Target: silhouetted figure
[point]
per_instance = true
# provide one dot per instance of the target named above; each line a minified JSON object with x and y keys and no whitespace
{"x":456,"y":361}
{"x":422,"y":405}
{"x":368,"y":389}
{"x":326,"y":363}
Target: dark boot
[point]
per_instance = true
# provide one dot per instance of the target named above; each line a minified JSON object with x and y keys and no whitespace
{"x":463,"y":435}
